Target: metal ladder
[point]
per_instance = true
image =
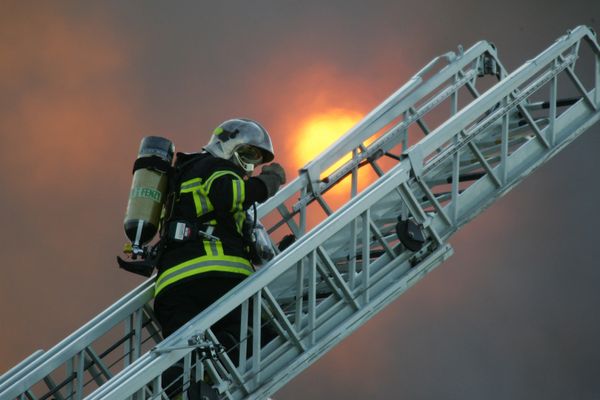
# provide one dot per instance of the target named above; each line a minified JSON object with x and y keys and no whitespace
{"x":445,"y":146}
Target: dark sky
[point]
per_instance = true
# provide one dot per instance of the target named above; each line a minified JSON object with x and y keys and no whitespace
{"x":512,"y":315}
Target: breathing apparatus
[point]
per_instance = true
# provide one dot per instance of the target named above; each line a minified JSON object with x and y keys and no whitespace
{"x":244,"y":142}
{"x":149,"y":189}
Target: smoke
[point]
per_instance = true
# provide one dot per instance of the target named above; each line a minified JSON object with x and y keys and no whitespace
{"x":510,"y":315}
{"x":64,"y":100}
{"x":66,"y":109}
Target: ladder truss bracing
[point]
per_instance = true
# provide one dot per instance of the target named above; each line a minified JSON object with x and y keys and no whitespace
{"x":445,"y":146}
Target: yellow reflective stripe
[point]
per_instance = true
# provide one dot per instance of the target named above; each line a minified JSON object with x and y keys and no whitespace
{"x":234,"y":189}
{"x":190,"y":185}
{"x":213,"y":247}
{"x":219,"y":248}
{"x":216,"y":175}
{"x":199,"y":195}
{"x":200,"y":265}
{"x":197,"y":203}
{"x":207,"y":248}
{"x":237,"y":207}
{"x":196,"y":271}
{"x":239,"y":194}
{"x":239,"y":218}
{"x":196,"y":188}
{"x":202,"y":203}
{"x":196,"y":183}
{"x":242,"y":193}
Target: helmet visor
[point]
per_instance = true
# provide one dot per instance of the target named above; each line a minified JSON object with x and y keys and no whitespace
{"x":249,"y":154}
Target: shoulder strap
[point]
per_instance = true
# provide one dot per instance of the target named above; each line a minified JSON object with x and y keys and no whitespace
{"x":183,"y":162}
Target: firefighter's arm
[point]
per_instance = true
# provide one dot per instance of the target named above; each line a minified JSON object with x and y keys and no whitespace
{"x":256,"y":191}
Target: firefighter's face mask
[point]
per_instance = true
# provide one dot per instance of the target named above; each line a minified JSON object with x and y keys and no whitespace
{"x":247,"y":157}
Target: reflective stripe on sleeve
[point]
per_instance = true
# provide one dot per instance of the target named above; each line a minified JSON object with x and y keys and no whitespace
{"x":217,"y":175}
{"x":238,"y":195}
{"x":190,"y":185}
{"x":237,"y":207}
{"x":199,"y":265}
{"x":199,"y":195}
{"x":240,"y":218}
{"x":201,"y":189}
{"x":202,"y":203}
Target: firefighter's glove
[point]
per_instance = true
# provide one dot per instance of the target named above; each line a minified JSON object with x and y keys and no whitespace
{"x":273,"y":176}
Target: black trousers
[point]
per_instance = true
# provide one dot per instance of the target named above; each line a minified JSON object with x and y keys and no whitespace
{"x":176,"y":305}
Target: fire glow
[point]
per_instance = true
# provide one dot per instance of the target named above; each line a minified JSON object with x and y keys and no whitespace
{"x":319,"y":131}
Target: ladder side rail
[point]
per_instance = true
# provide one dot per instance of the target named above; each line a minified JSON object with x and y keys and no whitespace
{"x":419,"y":152}
{"x":481,"y":59}
{"x":401,"y":100}
{"x":223,"y":307}
{"x":474,"y":200}
{"x":487,"y":46}
{"x":341,"y":325}
{"x":394,"y":106}
{"x":23,"y":365}
{"x":434,"y":90}
{"x":152,"y":364}
{"x":510,"y":95}
{"x":568,"y":126}
{"x":397,"y":133}
{"x":574,"y":121}
{"x":298,"y":184}
{"x":77,"y":342}
{"x":289,"y":191}
{"x":389,"y":276}
{"x":418,"y":159}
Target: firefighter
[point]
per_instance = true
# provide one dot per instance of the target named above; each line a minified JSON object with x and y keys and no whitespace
{"x":205,"y":251}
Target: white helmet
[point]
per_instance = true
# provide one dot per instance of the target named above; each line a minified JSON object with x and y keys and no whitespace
{"x":242,"y":141}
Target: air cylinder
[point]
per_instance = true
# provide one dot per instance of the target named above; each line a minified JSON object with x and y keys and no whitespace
{"x":148,"y":189}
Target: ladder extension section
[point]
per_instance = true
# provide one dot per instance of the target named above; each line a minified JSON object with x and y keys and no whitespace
{"x":440,"y":150}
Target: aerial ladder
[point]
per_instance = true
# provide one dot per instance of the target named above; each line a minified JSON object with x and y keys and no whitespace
{"x":455,"y":138}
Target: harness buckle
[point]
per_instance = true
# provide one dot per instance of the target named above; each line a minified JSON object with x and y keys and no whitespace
{"x":207,"y":233}
{"x":182,"y":231}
